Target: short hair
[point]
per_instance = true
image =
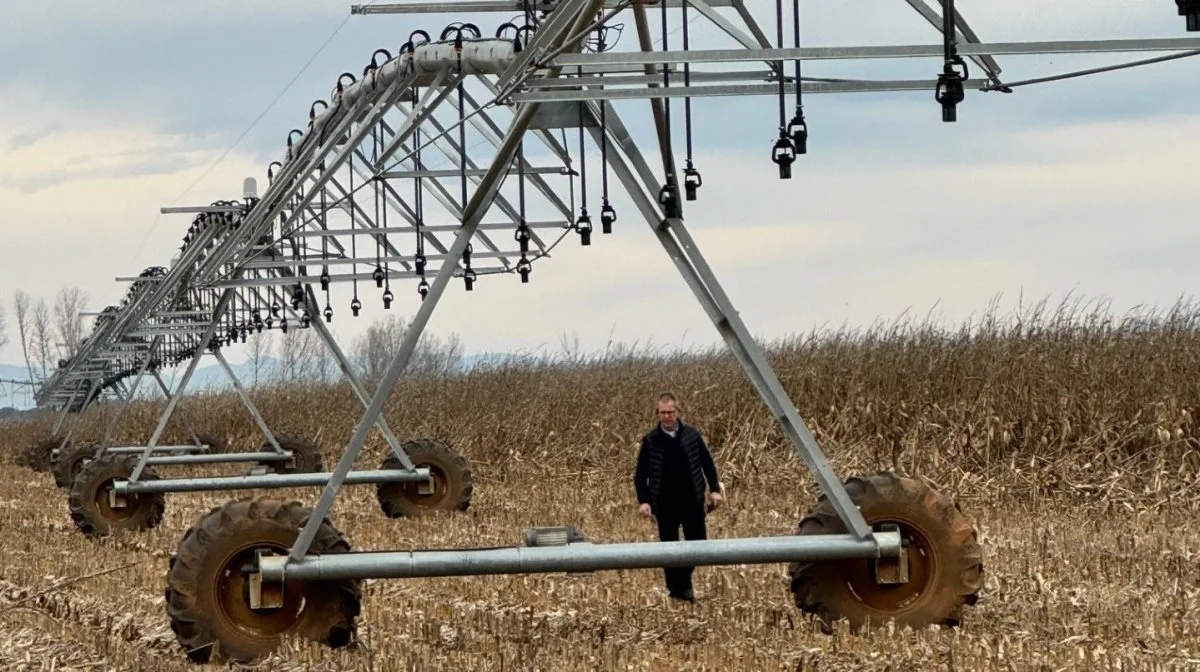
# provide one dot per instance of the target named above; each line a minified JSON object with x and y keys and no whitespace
{"x":667,"y":396}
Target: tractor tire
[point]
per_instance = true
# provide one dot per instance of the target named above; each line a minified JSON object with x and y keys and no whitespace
{"x":88,"y":498}
{"x":37,"y":455}
{"x":452,"y":483}
{"x":206,"y":599}
{"x":945,"y":562}
{"x":71,"y":460}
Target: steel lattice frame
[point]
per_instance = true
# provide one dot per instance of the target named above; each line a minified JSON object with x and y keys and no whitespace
{"x":360,"y":200}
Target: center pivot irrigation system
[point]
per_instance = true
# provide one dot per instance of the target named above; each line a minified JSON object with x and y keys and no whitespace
{"x":382,"y":186}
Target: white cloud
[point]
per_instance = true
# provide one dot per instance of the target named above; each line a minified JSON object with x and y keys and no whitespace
{"x":81,"y":199}
{"x":139,"y":14}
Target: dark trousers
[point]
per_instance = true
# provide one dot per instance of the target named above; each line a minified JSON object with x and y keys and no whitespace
{"x":670,"y":520}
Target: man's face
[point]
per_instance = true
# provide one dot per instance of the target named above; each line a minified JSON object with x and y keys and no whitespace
{"x":667,"y":415}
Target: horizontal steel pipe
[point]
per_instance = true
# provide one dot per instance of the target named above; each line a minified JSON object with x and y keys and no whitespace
{"x":124,"y":450}
{"x":742,"y":54}
{"x":266,"y":481}
{"x":715,"y":90}
{"x":578,"y":557}
{"x":215,"y":458}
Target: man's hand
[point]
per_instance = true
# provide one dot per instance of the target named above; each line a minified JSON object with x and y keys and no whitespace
{"x":644,"y":509}
{"x":714,"y":500}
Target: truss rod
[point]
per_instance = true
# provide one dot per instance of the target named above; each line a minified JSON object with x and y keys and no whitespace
{"x":439,"y":190}
{"x":348,"y":277}
{"x":365,"y":260}
{"x":452,"y":204}
{"x":314,"y":224}
{"x":733,"y":31}
{"x":495,"y":135}
{"x":402,"y":207}
{"x":717,"y":90}
{"x":471,"y":172}
{"x":986,"y":62}
{"x":372,"y":230}
{"x":871,"y":52}
{"x":432,"y":228}
{"x":644,"y":79}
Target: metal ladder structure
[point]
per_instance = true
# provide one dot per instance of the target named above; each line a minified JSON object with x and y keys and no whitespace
{"x":358,"y":203}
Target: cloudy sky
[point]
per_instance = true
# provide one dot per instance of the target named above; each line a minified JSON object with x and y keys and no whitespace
{"x":1087,"y":186}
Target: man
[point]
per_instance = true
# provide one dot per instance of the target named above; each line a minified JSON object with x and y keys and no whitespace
{"x":673,"y":468}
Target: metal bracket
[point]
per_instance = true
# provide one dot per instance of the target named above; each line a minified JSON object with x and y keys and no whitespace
{"x":559,"y":535}
{"x":264,"y":594}
{"x":117,"y":500}
{"x":425,"y":487}
{"x":890,"y":571}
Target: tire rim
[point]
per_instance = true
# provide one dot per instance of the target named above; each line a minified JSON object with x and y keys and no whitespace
{"x":231,"y":597}
{"x":133,"y":503}
{"x":923,"y":566}
{"x":440,"y":486}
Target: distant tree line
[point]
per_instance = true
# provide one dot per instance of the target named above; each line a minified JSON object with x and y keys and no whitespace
{"x":48,"y":333}
{"x":51,"y":332}
{"x":300,"y":355}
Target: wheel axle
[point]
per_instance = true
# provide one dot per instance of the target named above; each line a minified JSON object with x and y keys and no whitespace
{"x":256,"y":481}
{"x":578,"y":557}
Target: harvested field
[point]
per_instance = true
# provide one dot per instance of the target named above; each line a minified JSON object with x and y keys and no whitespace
{"x":1069,"y":435}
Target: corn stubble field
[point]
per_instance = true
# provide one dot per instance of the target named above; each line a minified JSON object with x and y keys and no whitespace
{"x":1069,"y":434}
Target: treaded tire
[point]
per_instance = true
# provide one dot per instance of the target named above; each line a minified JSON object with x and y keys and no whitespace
{"x":206,"y":603}
{"x":306,"y":455}
{"x":88,"y":498}
{"x":36,"y":455}
{"x":453,"y":485}
{"x":945,"y":559}
{"x":71,"y":460}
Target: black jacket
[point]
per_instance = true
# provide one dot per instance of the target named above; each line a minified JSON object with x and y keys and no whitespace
{"x":647,"y":478}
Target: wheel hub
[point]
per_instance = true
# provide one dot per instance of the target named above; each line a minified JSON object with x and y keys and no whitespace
{"x":893,"y":585}
{"x":113,"y":506}
{"x":427,"y":493}
{"x":245,"y":603}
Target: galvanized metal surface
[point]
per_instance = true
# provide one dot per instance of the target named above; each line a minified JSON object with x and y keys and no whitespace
{"x":577,"y":557}
{"x":268,"y":481}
